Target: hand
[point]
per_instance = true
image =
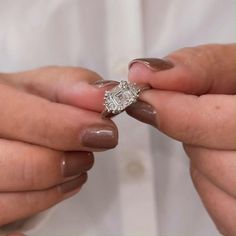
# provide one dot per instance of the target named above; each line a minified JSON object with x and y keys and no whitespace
{"x":193,"y":100}
{"x":49,"y":126}
{"x":16,"y":234}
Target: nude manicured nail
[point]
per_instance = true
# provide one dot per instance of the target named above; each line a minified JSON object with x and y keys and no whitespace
{"x":76,"y":163}
{"x":100,"y":137}
{"x":154,"y":64}
{"x":105,"y":83}
{"x":143,"y":112}
{"x":74,"y":184}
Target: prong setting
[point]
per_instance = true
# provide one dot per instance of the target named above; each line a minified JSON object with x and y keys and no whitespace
{"x":120,"y":97}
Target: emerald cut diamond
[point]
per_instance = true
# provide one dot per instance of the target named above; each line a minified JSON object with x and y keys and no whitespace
{"x":120,"y":97}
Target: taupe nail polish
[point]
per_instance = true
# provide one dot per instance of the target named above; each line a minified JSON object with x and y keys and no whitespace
{"x":154,"y":64}
{"x":105,"y":83}
{"x":75,"y":163}
{"x":100,"y":137}
{"x":73,"y":184}
{"x":143,"y":112}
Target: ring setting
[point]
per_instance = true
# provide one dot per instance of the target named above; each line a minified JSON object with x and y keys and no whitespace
{"x":120,"y":97}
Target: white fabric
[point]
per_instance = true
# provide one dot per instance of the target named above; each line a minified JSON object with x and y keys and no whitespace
{"x":142,"y":188}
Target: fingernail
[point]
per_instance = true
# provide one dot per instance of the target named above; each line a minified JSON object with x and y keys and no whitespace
{"x":100,"y":137}
{"x":143,"y":112}
{"x":76,"y":163}
{"x":73,"y":184}
{"x":105,"y":83}
{"x":154,"y":64}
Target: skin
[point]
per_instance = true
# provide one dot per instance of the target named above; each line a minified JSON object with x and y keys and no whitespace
{"x":43,"y":115}
{"x":195,"y":103}
{"x":199,"y":88}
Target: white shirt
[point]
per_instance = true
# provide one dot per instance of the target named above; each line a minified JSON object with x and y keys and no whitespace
{"x":143,"y":187}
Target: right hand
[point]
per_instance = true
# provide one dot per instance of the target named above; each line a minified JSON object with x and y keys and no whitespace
{"x":50,"y":124}
{"x":193,"y":101}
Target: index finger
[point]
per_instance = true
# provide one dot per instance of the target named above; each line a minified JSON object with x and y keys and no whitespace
{"x":32,"y":119}
{"x":196,"y":70}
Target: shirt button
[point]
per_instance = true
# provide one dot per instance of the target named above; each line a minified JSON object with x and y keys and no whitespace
{"x":135,"y":169}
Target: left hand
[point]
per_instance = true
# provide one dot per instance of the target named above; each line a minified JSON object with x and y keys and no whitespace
{"x":193,"y":100}
{"x":50,"y":123}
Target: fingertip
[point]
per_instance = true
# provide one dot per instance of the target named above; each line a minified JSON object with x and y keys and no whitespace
{"x":148,"y":70}
{"x":139,"y":73}
{"x":143,"y":112}
{"x":85,"y":95}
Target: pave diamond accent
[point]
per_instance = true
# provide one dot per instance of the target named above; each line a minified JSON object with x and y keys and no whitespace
{"x":120,"y":97}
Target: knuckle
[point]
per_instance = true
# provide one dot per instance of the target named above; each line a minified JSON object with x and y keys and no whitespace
{"x":201,"y":58}
{"x":199,"y":54}
{"x":185,"y":55}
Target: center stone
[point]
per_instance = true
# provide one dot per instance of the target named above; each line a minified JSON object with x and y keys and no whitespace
{"x":120,"y":97}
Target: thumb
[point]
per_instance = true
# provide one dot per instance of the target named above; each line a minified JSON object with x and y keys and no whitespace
{"x":196,"y":70}
{"x":68,"y":85}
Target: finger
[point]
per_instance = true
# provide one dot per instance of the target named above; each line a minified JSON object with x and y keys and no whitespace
{"x":29,"y":167}
{"x":208,"y":120}
{"x":20,"y":205}
{"x":16,"y":234}
{"x":195,"y":70}
{"x":32,"y":119}
{"x":220,"y":206}
{"x":69,"y":85}
{"x":218,"y":166}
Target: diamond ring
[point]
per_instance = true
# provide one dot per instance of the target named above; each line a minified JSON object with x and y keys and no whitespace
{"x":120,"y":97}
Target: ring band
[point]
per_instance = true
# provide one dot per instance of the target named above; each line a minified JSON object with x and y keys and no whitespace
{"x":121,"y":96}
